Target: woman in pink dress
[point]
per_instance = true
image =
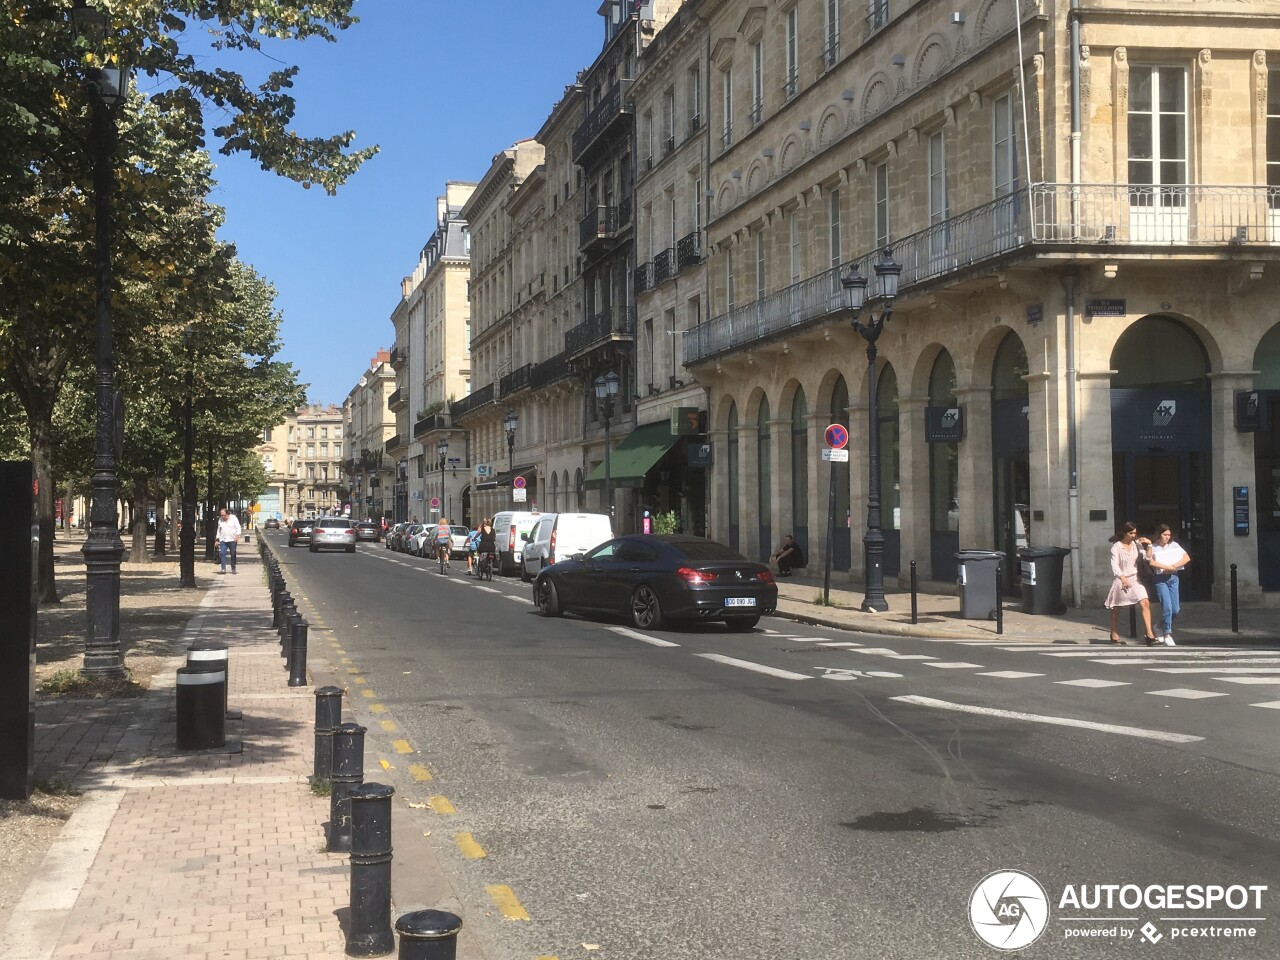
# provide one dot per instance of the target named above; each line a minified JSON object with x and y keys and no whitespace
{"x":1125,"y":588}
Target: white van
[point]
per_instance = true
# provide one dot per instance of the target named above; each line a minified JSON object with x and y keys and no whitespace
{"x":509,"y":528}
{"x":559,"y":536}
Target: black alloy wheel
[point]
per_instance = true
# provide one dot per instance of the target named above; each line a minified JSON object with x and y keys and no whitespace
{"x":646,"y":610}
{"x":545,"y":596}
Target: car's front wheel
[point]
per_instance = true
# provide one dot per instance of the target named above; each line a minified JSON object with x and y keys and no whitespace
{"x":741,"y":624}
{"x":351,"y":549}
{"x":525,"y":575}
{"x":547,"y":598}
{"x":313,"y":548}
{"x":646,"y":609}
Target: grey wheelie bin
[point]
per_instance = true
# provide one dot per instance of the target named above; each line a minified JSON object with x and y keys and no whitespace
{"x":976,"y":577}
{"x":1042,"y":579}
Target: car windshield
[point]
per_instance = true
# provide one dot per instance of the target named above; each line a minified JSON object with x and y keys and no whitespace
{"x":333,"y":522}
{"x":707,"y":551}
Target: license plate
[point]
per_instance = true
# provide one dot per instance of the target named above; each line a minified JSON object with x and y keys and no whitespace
{"x":740,"y":602}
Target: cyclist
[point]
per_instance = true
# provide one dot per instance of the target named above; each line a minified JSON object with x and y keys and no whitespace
{"x":444,"y":539}
{"x":473,"y":538}
{"x":486,"y":546}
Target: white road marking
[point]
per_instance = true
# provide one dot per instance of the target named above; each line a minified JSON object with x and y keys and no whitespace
{"x":1183,"y":693}
{"x":844,"y":673}
{"x":1054,"y":721}
{"x":1087,"y":682}
{"x":1272,"y":705}
{"x":756,"y":667}
{"x":1166,"y":660}
{"x":946,"y":665}
{"x":512,"y":596}
{"x":1257,"y":670}
{"x":893,"y":654}
{"x":807,"y":639}
{"x":1269,"y":681}
{"x":488,"y":589}
{"x":840,"y":644}
{"x":1010,"y":674}
{"x":634,"y":635}
{"x":1190,"y":653}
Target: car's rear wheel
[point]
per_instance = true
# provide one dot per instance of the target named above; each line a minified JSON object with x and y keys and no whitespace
{"x":351,"y":549}
{"x":741,"y":624}
{"x":646,"y":609}
{"x":525,"y":576}
{"x":547,"y":598}
{"x":313,"y":548}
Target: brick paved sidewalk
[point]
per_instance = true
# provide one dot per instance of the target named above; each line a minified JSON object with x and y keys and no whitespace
{"x":217,"y":854}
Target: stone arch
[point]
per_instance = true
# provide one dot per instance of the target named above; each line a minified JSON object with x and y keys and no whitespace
{"x":756,"y":177}
{"x":984,"y":356}
{"x":1266,"y":360}
{"x":724,"y":403}
{"x":790,"y":153}
{"x":821,"y":397}
{"x":876,"y":96}
{"x":1158,"y":350}
{"x":995,"y":17}
{"x":921,"y":370}
{"x":726,"y":197}
{"x":829,"y":127}
{"x":751,"y":409}
{"x":931,"y":60}
{"x":1104,"y":340}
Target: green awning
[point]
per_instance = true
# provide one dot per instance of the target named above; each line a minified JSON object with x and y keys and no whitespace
{"x":635,"y":456}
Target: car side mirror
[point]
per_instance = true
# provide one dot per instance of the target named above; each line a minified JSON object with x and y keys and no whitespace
{"x":525,"y":537}
{"x":576,"y":556}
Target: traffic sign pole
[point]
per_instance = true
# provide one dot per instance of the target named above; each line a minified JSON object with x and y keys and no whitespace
{"x":836,"y":436}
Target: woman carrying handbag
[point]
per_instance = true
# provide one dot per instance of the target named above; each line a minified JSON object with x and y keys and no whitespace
{"x":1126,"y":590}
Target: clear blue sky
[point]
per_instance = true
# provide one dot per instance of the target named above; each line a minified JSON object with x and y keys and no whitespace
{"x":441,"y":86}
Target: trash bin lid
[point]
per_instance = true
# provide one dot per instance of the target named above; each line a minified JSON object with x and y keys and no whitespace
{"x":980,"y":555}
{"x":1034,"y":553}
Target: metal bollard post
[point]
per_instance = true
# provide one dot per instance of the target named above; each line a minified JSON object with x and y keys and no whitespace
{"x":328,"y":717}
{"x":283,"y":599}
{"x":914,"y":609}
{"x":201,"y":716}
{"x":369,"y":925}
{"x":288,"y":615}
{"x":298,"y":655}
{"x":346,"y":773}
{"x":429,"y":935}
{"x":999,"y":598}
{"x":1235,"y":608}
{"x":212,"y":655}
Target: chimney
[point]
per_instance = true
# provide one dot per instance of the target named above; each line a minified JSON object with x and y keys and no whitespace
{"x":383,"y":356}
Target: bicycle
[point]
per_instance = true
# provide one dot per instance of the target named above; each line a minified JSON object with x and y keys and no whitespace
{"x":484,"y":566}
{"x":442,"y":554}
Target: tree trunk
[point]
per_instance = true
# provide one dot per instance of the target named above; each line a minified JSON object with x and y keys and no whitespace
{"x":40,"y":423}
{"x":158,"y":550}
{"x":138,"y":523}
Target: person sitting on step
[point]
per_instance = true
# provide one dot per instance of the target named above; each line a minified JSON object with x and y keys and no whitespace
{"x":788,"y":556}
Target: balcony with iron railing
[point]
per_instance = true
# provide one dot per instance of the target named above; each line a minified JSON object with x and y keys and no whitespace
{"x":398,"y":399}
{"x":612,"y":112}
{"x":517,"y":379}
{"x":603,"y":225}
{"x":663,"y":264}
{"x":425,"y":425}
{"x":398,"y":358}
{"x":396,"y":445}
{"x":695,"y":124}
{"x":477,"y":398}
{"x":642,"y":277}
{"x":791,"y":85}
{"x":831,"y":52}
{"x":877,"y":16}
{"x":1091,"y":220}
{"x":756,"y":113}
{"x":613,"y":323}
{"x":689,"y":251}
{"x":549,"y":371}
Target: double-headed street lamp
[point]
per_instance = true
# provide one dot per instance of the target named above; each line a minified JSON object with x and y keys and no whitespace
{"x":103,"y":549}
{"x":442,"y":448}
{"x":855,"y":286}
{"x":509,"y":424}
{"x":606,"y":389}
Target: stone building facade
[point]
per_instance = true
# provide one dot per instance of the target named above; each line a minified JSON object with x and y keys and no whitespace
{"x":369,"y":423}
{"x":319,"y":480}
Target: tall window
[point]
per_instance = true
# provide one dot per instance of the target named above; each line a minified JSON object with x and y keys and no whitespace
{"x":1157,"y":126}
{"x":760,"y":275}
{"x":764,"y":477}
{"x":648,"y":338}
{"x":696,"y":206}
{"x":1004,"y":147}
{"x":800,"y":467}
{"x":672,"y":211}
{"x":1273,"y":138}
{"x":733,"y":477}
{"x":831,"y":48}
{"x":669,"y":119}
{"x":882,"y":205}
{"x":757,"y":83}
{"x":833,"y":220}
{"x":793,"y":225}
{"x":695,"y":98}
{"x":730,"y":301}
{"x":877,"y":13}
{"x":937,"y":179}
{"x":726,"y":137}
{"x":792,"y":80}
{"x":648,"y":140}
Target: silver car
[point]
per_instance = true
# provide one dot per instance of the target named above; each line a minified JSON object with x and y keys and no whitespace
{"x":333,"y":533}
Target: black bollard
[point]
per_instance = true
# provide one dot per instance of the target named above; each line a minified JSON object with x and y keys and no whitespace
{"x":913,"y":592}
{"x":1235,"y":608}
{"x":369,"y":925}
{"x":283,"y":599}
{"x":292,"y":618}
{"x":328,"y":716}
{"x":429,"y":935}
{"x":212,"y":655}
{"x":346,"y":773}
{"x":298,"y":655}
{"x":999,"y":598}
{"x":201,"y":715}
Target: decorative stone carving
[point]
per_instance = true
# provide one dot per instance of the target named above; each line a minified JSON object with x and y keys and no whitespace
{"x":892,"y":147}
{"x":1204,"y":67}
{"x":975,"y":100}
{"x":861,"y":166}
{"x":949,"y":117}
{"x":1086,"y":74}
{"x":913,"y":136}
{"x":1120,"y":86}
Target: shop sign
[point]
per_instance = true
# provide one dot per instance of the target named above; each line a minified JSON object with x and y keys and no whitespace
{"x":1240,"y":510}
{"x":1035,"y":313}
{"x":944,"y":424}
{"x":1248,"y":411}
{"x":700,"y":455}
{"x":1105,"y":308}
{"x":688,"y":422}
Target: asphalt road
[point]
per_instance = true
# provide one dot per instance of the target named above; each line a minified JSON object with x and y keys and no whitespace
{"x":654,"y":796}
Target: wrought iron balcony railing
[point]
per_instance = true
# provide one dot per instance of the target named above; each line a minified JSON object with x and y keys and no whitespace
{"x":394,"y":444}
{"x":641,"y":277}
{"x":663,"y":266}
{"x":517,"y":379}
{"x":549,"y":371}
{"x":612,"y":107}
{"x":756,"y":113}
{"x":831,"y":52}
{"x":610,"y":324}
{"x":689,"y":250}
{"x":399,"y":398}
{"x":477,"y":398}
{"x":604,"y":223}
{"x":1089,"y":217}
{"x":427,"y":424}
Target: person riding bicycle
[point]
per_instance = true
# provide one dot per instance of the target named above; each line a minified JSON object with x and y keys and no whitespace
{"x":486,"y":543}
{"x":444,"y":538}
{"x":473,"y":538}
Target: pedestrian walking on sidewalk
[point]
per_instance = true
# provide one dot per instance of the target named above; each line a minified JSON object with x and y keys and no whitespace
{"x":228,"y":537}
{"x":1126,"y":590}
{"x":1167,"y":558}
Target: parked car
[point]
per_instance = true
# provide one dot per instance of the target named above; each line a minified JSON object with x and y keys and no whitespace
{"x":331,"y":533}
{"x":300,"y":532}
{"x":654,"y":580}
{"x":510,"y":526}
{"x":559,"y":535}
{"x":460,"y":535}
{"x":271,"y":523}
{"x":369,"y":531}
{"x":393,"y":535}
{"x":420,"y":541}
{"x":406,"y":541}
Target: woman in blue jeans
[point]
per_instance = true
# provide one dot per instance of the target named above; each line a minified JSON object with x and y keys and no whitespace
{"x":1167,"y":558}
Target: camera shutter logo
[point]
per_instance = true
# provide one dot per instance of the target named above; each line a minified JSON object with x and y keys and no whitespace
{"x":1164,"y":413}
{"x":1009,"y":910}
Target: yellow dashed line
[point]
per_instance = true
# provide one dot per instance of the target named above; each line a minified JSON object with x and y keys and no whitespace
{"x":338,"y":649}
{"x":505,"y":900}
{"x":546,"y":956}
{"x":470,"y":849}
{"x":419,"y":772}
{"x":441,"y":805}
{"x":385,"y":764}
{"x":376,"y":707}
{"x":366,"y":692}
{"x":401,"y":746}
{"x":389,"y":726}
{"x":353,"y":669}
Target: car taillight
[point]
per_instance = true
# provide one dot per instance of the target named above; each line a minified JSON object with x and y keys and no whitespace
{"x":696,"y":577}
{"x":551,"y":548}
{"x":511,"y":538}
{"x":766,"y":576}
{"x":352,"y":532}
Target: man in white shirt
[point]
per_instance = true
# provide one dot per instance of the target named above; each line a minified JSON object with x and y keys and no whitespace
{"x":228,"y":537}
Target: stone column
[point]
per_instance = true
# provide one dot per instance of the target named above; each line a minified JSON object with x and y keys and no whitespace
{"x":779,"y":519}
{"x":748,"y":490}
{"x":1232,"y":466}
{"x":718,"y":507}
{"x":974,"y":488}
{"x":913,"y":462}
{"x":1097,"y":484}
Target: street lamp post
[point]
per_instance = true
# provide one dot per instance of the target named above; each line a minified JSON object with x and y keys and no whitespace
{"x":103,"y":549}
{"x":855,"y":286}
{"x":606,"y":389}
{"x":509,"y":423}
{"x":442,"y":448}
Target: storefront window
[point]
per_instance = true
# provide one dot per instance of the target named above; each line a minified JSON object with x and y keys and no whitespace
{"x":800,"y":468}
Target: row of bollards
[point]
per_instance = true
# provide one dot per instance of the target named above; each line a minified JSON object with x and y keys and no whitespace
{"x":359,"y":812}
